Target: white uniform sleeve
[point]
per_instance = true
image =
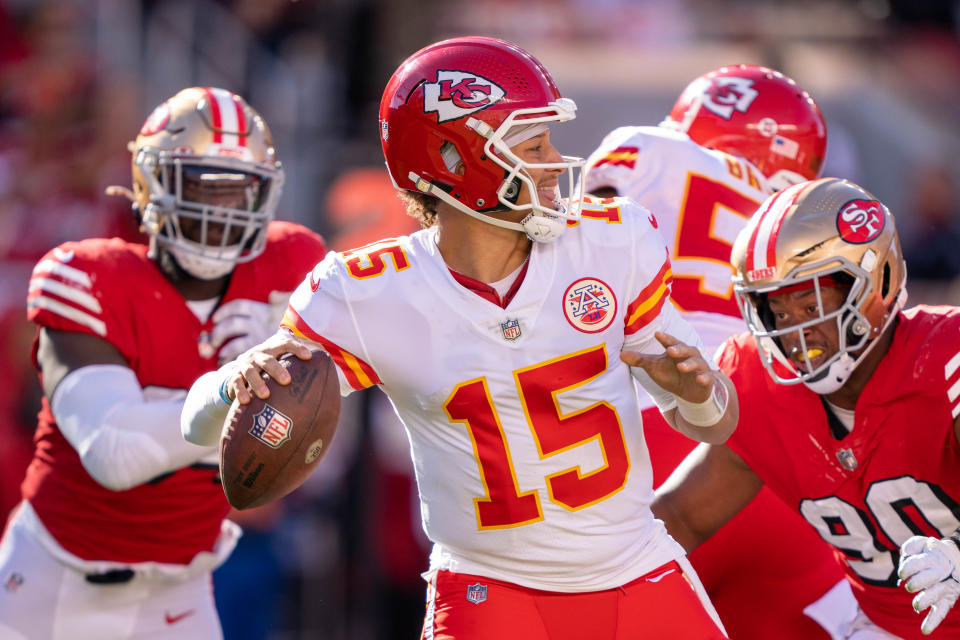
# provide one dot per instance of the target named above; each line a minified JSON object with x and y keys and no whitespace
{"x":671,"y":322}
{"x":122,"y":438}
{"x":205,"y":409}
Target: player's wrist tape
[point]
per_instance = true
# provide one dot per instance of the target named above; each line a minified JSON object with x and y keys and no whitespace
{"x":707,"y":413}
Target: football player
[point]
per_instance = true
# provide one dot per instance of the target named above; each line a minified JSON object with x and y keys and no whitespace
{"x":734,"y":135}
{"x":848,"y":409}
{"x":497,"y":332}
{"x":122,"y":521}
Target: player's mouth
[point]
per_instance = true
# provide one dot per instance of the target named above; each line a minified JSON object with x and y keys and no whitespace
{"x":810,"y":359}
{"x":548,"y":192}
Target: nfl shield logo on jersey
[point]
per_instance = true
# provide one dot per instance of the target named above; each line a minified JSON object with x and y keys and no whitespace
{"x":476,"y":593}
{"x":511,"y":329}
{"x":15,"y":580}
{"x":271,"y":427}
{"x":847,"y":459}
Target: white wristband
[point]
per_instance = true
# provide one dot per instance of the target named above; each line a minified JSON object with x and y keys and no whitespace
{"x":707,"y":413}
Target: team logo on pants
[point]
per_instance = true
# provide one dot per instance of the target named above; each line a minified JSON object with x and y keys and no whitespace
{"x":476,"y":593}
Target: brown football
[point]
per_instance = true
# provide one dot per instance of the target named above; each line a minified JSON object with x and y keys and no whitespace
{"x":270,"y":447}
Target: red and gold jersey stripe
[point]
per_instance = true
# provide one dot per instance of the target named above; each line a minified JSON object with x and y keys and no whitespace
{"x":358,"y":373}
{"x":646,"y":306}
{"x":624,"y":156}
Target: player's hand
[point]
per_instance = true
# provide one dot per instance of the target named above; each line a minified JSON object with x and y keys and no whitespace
{"x":246,"y":378}
{"x":929,"y":567}
{"x":241,"y":324}
{"x":681,"y":369}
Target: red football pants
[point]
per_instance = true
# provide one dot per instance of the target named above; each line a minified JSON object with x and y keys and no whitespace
{"x":764,"y":566}
{"x":661,"y":604}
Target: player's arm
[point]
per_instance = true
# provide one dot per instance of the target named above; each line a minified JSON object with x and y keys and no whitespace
{"x":708,"y":488}
{"x":210,"y":396}
{"x":706,"y":406}
{"x":123,"y":439}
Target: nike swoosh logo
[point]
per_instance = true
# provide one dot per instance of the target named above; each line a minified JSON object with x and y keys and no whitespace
{"x":177,"y":618}
{"x":660,"y":577}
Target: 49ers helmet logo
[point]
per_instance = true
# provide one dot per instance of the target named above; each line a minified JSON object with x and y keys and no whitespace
{"x":860,"y":221}
{"x":456,"y":94}
{"x":724,"y":95}
{"x":156,"y":121}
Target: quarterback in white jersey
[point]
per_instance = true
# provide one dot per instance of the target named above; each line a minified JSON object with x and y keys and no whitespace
{"x":528,"y":459}
{"x":505,"y":334}
{"x":734,"y":135}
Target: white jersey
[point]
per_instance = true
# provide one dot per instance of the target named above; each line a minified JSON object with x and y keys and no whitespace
{"x":524,"y":424}
{"x":701,"y":199}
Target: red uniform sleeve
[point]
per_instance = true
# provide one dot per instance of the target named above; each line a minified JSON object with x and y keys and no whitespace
{"x":80,"y":287}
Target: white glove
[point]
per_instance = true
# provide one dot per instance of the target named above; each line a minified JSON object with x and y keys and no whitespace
{"x":241,"y":324}
{"x":932,"y":567}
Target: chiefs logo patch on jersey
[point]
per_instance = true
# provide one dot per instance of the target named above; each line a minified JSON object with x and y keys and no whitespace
{"x":457,"y":94}
{"x":724,"y":95}
{"x":589,"y":305}
{"x":860,"y":221}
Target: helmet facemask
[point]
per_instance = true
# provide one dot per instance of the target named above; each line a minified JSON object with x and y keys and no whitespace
{"x":860,"y":318}
{"x":546,"y":220}
{"x":179,"y":184}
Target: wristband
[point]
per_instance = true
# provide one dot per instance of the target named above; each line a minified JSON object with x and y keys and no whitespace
{"x":223,"y":392}
{"x":707,"y":413}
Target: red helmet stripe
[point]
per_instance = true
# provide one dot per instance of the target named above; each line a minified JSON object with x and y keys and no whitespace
{"x":755,"y":223}
{"x":761,"y":251}
{"x":217,"y":123}
{"x":777,"y":222}
{"x":241,"y":122}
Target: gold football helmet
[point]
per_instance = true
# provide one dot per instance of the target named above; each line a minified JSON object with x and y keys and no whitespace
{"x":206,"y":181}
{"x":812,"y":231}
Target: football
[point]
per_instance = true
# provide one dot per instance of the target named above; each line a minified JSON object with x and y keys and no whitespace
{"x":270,"y":447}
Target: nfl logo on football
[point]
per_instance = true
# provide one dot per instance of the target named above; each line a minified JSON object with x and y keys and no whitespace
{"x":511,"y":329}
{"x":271,"y":427}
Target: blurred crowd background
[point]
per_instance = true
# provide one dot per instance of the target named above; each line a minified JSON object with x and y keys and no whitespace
{"x":340,"y":558}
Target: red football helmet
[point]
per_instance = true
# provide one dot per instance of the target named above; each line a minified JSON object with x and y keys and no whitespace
{"x":758,"y":114}
{"x":449,"y":116}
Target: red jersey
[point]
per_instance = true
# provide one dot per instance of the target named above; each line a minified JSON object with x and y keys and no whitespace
{"x":893,"y":476}
{"x":112,"y":290}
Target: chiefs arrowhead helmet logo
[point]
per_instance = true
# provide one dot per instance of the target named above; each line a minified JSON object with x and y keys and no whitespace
{"x":724,"y":95}
{"x":457,"y":94}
